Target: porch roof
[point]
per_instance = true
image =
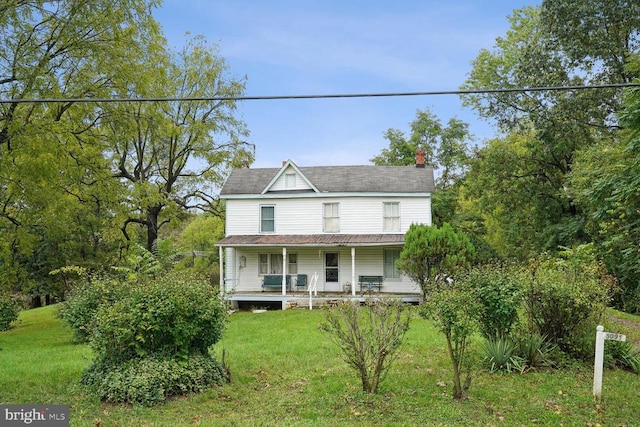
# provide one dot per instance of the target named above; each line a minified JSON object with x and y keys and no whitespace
{"x":313,"y":240}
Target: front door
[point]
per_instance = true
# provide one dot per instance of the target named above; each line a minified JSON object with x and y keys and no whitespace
{"x":331,"y":272}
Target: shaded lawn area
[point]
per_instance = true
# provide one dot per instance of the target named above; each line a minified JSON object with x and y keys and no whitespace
{"x":285,"y":372}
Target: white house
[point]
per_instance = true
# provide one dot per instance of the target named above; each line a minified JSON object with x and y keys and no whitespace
{"x":338,"y":223}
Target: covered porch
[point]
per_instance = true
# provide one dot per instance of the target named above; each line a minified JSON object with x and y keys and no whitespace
{"x":333,"y":265}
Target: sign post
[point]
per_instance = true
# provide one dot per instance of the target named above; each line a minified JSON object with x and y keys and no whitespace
{"x":601,"y":335}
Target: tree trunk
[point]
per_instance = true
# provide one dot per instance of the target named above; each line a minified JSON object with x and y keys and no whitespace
{"x":458,"y":393}
{"x":152,"y":225}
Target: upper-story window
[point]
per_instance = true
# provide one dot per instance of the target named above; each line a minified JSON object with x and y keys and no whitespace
{"x":290,"y":180}
{"x":391,"y":216}
{"x":331,"y":218}
{"x":267,"y":219}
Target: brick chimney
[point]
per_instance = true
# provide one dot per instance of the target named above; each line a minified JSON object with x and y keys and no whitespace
{"x":420,"y":158}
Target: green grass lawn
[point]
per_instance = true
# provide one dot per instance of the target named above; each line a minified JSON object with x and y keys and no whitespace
{"x":285,"y":372}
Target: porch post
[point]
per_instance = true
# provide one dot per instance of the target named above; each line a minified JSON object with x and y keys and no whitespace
{"x":284,"y":271}
{"x":353,"y":272}
{"x":221,"y":261}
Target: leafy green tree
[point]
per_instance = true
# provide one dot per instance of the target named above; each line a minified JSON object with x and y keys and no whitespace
{"x":445,"y":146}
{"x":545,"y":129}
{"x":170,"y":156}
{"x":52,"y":184}
{"x":606,"y":184}
{"x":431,"y":254}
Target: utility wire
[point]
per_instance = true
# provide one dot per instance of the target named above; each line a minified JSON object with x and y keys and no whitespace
{"x":320,"y":96}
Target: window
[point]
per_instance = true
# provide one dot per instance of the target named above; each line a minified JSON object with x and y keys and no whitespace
{"x":331,"y":218}
{"x":390,"y":258}
{"x":267,"y":219}
{"x":293,"y":263}
{"x":391,"y":215}
{"x":272,"y":264}
{"x":290,"y":180}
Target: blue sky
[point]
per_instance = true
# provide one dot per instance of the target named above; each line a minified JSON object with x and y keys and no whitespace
{"x":289,"y":47}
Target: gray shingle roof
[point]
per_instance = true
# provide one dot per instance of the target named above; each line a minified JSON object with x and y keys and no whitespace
{"x":339,"y":179}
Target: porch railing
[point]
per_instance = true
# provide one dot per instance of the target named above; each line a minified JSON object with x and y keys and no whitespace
{"x":313,"y":288}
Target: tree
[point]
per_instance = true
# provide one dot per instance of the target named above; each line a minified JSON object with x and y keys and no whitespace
{"x":606,"y":183}
{"x":431,"y":254}
{"x":171,"y":156}
{"x":52,"y":189}
{"x":545,"y":129}
{"x":445,"y":147}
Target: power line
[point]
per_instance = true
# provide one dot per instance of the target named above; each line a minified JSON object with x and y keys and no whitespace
{"x":320,"y":96}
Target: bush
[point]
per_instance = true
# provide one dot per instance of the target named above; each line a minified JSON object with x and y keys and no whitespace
{"x":9,"y":311}
{"x":169,"y":317}
{"x":564,"y":295}
{"x":500,"y":296}
{"x":368,"y":336}
{"x":454,"y":310}
{"x":80,"y":309}
{"x":150,"y":380}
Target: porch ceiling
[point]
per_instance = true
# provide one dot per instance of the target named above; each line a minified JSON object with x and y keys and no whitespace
{"x":313,"y":240}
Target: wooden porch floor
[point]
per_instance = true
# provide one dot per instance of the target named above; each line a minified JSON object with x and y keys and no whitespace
{"x":277,"y":301}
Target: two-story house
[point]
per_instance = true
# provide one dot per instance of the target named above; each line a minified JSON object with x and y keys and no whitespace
{"x":336,"y":223}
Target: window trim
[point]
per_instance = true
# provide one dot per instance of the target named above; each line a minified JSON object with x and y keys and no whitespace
{"x":269,"y":263}
{"x":335,"y":218}
{"x":397,"y":277}
{"x":273,"y":220}
{"x":386,"y":219}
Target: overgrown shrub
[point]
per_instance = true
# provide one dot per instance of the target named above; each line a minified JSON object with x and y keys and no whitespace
{"x":153,"y":341}
{"x":564,"y":294}
{"x":150,"y":380}
{"x":9,"y":311}
{"x":500,"y":296}
{"x":169,"y":317}
{"x":369,"y":336}
{"x":80,"y":308}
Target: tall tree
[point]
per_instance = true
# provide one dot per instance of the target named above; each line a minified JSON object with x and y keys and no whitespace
{"x":547,"y":128}
{"x":606,"y":184}
{"x":57,"y":49}
{"x":172,"y":156}
{"x":445,"y":146}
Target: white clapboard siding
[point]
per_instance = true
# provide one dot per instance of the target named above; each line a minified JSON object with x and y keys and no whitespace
{"x":358,"y":215}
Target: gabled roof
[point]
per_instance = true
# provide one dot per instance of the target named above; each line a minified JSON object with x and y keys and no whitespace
{"x":336,"y":179}
{"x":289,"y":164}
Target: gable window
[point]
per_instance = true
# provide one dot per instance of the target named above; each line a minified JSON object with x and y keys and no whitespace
{"x":331,"y":218}
{"x":267,"y":219}
{"x":272,"y":264}
{"x":391,"y":216}
{"x":290,"y":180}
{"x":390,"y":258}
